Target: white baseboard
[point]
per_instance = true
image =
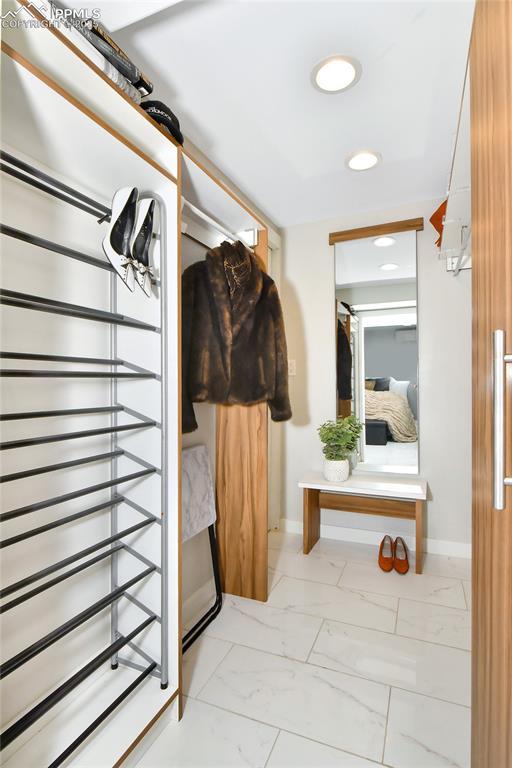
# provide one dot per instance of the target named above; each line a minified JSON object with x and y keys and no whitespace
{"x":196,"y":604}
{"x":364,"y":536}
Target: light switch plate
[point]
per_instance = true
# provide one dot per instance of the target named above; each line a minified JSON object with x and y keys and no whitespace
{"x":292,"y":367}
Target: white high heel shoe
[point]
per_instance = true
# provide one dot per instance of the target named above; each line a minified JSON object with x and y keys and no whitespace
{"x":116,"y":243}
{"x":141,"y":244}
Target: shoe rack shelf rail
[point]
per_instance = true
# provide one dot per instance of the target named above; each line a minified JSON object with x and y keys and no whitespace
{"x":138,"y":612}
{"x":115,"y":542}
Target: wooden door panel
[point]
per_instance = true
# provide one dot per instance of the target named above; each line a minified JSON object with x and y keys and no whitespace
{"x":491,"y":170}
{"x":241,"y":489}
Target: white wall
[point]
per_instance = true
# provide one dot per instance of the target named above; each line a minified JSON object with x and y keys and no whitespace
{"x":386,"y":355}
{"x":444,"y":337}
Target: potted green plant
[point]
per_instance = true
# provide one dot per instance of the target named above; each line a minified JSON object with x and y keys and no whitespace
{"x":340,"y":441}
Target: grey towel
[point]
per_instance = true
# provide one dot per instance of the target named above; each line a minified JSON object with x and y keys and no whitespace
{"x":198,"y":499}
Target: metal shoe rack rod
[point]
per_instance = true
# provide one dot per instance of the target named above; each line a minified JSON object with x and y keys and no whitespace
{"x":110,"y":547}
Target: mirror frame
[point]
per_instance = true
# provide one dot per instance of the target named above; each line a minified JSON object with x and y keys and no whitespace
{"x":376,"y":230}
{"x":405,"y":225}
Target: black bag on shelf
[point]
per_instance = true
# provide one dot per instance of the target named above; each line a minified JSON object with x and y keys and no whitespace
{"x":161,"y":114}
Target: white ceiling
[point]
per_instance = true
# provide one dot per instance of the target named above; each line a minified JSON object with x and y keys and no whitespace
{"x":238,"y":75}
{"x":116,"y":14}
{"x":358,"y":261}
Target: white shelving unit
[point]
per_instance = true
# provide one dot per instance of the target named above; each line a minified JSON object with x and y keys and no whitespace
{"x":46,"y":127}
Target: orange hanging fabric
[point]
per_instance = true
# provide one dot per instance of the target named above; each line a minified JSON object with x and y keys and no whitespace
{"x":437,"y":221}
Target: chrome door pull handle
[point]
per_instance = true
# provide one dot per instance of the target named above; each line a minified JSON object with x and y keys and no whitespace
{"x":500,"y":360}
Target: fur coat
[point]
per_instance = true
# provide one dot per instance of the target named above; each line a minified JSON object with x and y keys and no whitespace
{"x":234,"y":345}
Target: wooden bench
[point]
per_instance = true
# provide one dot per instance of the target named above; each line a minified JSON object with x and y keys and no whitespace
{"x":367,"y":494}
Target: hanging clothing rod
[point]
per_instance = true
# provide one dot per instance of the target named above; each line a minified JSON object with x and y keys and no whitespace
{"x":29,"y":441}
{"x":195,"y":239}
{"x":38,"y":575}
{"x":69,"y":685}
{"x":15,"y":662}
{"x":221,"y":229}
{"x":103,"y":716}
{"x":13,"y":513}
{"x":205,"y":245}
{"x":48,"y":245}
{"x":115,"y":501}
{"x":58,"y":579}
{"x":63,"y":465}
{"x":39,"y":303}
{"x":53,"y":186}
{"x":61,"y":412}
{"x":209,"y":220}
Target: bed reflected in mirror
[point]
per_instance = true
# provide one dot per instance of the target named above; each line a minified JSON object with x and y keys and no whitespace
{"x":377,"y":348}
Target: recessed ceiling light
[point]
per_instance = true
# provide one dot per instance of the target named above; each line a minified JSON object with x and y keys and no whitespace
{"x":384,"y":242}
{"x":363,"y":161}
{"x":388,"y":267}
{"x":336,"y":73}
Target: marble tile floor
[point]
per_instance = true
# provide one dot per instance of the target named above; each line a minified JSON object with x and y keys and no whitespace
{"x":357,"y":671}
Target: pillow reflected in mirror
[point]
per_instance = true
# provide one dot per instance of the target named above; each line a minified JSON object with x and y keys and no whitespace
{"x":400,"y":387}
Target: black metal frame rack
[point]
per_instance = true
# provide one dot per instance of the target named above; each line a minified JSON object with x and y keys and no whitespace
{"x":109,"y":548}
{"x":195,"y":632}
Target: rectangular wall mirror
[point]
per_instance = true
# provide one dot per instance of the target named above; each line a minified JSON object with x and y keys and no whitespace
{"x":377,"y":347}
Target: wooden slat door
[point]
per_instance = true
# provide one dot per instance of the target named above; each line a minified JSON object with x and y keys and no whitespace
{"x":491,"y":162}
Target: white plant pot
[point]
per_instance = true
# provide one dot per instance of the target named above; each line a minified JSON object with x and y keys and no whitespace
{"x":336,"y":471}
